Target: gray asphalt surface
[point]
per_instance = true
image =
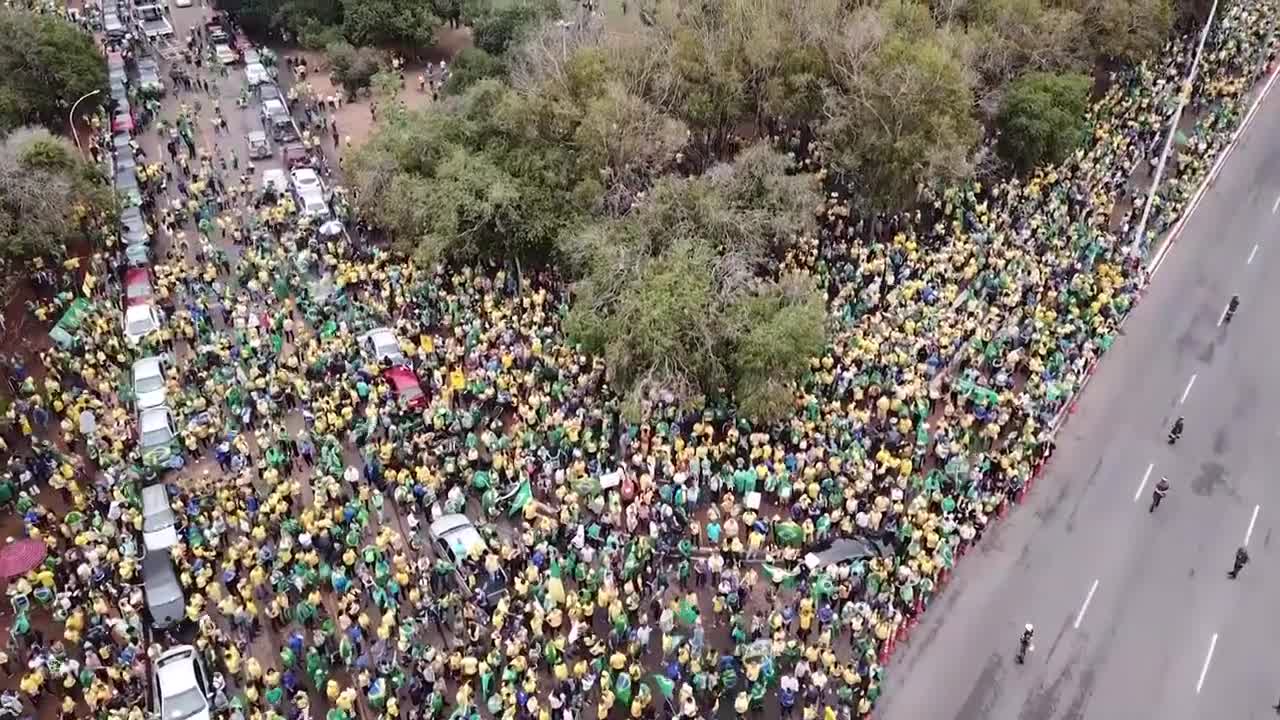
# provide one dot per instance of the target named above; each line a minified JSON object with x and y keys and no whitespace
{"x":240,"y":121}
{"x":1141,"y":648}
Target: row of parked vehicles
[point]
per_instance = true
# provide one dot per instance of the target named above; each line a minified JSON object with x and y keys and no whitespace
{"x":180,"y":684}
{"x":300,"y":177}
{"x":150,"y":20}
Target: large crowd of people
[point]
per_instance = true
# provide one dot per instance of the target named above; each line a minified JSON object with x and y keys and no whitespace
{"x":616,"y":569}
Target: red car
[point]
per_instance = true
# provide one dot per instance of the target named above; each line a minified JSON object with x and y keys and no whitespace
{"x":137,"y":286}
{"x":122,"y":121}
{"x":406,"y":386}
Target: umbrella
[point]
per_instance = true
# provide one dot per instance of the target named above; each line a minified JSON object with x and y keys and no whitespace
{"x":17,"y":558}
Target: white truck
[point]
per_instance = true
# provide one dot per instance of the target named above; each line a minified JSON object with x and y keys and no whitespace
{"x":152,"y":21}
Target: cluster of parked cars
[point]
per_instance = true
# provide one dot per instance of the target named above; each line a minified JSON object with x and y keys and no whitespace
{"x":181,"y":685}
{"x":145,"y":19}
{"x":223,"y":42}
{"x":301,"y":179}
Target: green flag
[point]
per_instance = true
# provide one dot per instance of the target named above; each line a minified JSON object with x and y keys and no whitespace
{"x":523,"y":497}
{"x":789,"y":533}
{"x":665,"y":685}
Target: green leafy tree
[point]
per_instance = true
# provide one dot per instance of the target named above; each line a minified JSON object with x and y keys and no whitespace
{"x":1011,"y":36}
{"x":405,"y":23}
{"x":903,"y":119}
{"x":499,"y":25}
{"x":309,"y":20}
{"x":351,"y":67}
{"x":1042,"y":119}
{"x":679,"y":297}
{"x":623,"y":142}
{"x":779,"y":328}
{"x":48,"y":197}
{"x":1128,"y":31}
{"x":471,"y":66}
{"x":470,"y":180}
{"x":46,"y":63}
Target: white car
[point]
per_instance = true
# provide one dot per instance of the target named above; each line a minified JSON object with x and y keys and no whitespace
{"x":306,"y":180}
{"x":312,"y":205}
{"x":276,"y":180}
{"x":156,"y":431}
{"x":159,"y":526}
{"x":140,"y":321}
{"x":225,"y":54}
{"x":256,"y":74}
{"x":251,"y":56}
{"x":382,"y":344}
{"x":456,"y":540}
{"x":149,"y":383}
{"x":181,"y":688}
{"x":182,"y":3}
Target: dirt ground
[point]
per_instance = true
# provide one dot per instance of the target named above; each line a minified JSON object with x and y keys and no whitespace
{"x":355,"y":119}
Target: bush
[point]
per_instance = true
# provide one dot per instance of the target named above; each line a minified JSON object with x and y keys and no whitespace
{"x":351,"y":67}
{"x":1042,"y":119}
{"x":471,"y":66}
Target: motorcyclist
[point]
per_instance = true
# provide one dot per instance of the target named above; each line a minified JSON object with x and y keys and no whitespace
{"x":1162,"y":489}
{"x":1242,"y":557}
{"x":1176,"y":431}
{"x":1024,"y":643}
{"x":1231,"y":308}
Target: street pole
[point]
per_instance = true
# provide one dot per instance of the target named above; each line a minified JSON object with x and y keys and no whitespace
{"x":1183,"y":98}
{"x":71,"y":118}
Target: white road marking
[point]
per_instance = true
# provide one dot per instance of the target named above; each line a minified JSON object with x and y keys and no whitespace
{"x":1145,"y":476}
{"x":1187,"y":392}
{"x":1083,"y":608}
{"x":1249,"y":533}
{"x":1251,"y":254}
{"x":1213,"y":643}
{"x":1223,"y":317}
{"x":1275,"y":205}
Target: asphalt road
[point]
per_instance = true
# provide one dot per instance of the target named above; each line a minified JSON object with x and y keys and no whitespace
{"x":1134,"y":614}
{"x":240,"y":121}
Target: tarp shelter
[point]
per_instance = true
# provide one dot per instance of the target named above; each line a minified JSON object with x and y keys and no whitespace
{"x":846,"y":550}
{"x":64,"y":332}
{"x":20,"y":557}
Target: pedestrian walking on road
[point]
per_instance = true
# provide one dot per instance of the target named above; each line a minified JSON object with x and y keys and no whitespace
{"x":1242,"y":559}
{"x":1176,"y":431}
{"x":1157,"y":495}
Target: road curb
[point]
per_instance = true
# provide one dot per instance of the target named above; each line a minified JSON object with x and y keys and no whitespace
{"x":1167,"y":244}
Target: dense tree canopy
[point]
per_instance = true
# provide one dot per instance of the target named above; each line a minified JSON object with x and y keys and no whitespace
{"x":46,"y":63}
{"x":680,"y":296}
{"x":1128,"y":30}
{"x":903,"y":119}
{"x":352,"y":68}
{"x":499,"y":25}
{"x":1042,"y":118}
{"x":317,"y":23}
{"x":509,"y":170}
{"x":639,"y":164}
{"x":47,"y":195}
{"x":470,"y":67}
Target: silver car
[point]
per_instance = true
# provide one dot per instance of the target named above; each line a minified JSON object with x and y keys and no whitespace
{"x":455,"y":539}
{"x":382,"y":344}
{"x":165,"y":599}
{"x":149,"y":383}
